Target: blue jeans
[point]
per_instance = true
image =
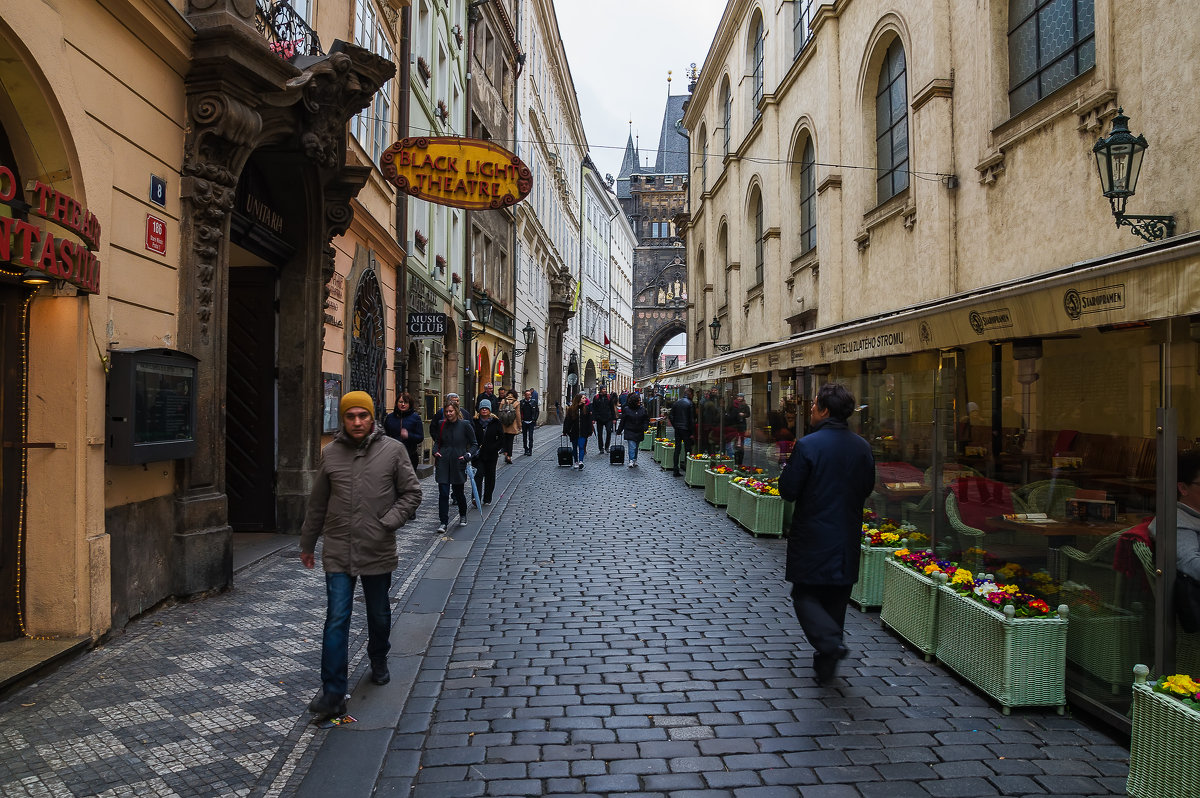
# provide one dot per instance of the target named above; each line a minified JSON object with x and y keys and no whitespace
{"x":335,"y":644}
{"x":580,"y":449}
{"x":632,"y":446}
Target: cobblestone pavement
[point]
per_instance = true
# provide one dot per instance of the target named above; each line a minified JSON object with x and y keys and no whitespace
{"x":602,"y":632}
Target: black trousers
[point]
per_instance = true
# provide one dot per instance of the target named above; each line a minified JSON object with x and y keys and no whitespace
{"x":821,"y":611}
{"x":527,"y":428}
{"x":682,"y":445}
{"x":604,"y":434}
{"x":485,"y":477}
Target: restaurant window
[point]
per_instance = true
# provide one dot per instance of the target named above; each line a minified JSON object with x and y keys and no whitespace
{"x":756,"y":67}
{"x":1050,"y":42}
{"x":803,"y":10}
{"x":891,"y":125}
{"x":808,"y":197}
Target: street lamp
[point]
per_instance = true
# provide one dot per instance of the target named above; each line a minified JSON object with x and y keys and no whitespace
{"x":1119,"y":162}
{"x":527,"y":333}
{"x":470,"y":341}
{"x":714,"y":329}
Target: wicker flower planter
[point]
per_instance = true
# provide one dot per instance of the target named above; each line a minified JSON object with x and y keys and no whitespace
{"x":1106,"y":643}
{"x":1020,"y":662}
{"x":656,"y":452}
{"x":647,"y":443}
{"x":759,"y":513}
{"x":666,"y":458}
{"x":716,"y":488}
{"x":910,"y":606}
{"x":868,"y":590}
{"x":694,"y":475}
{"x":735,"y":501}
{"x":1163,"y":745}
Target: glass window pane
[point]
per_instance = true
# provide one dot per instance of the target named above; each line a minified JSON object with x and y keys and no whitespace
{"x":900,"y":142}
{"x":883,"y":152}
{"x":1018,"y":10}
{"x":900,"y":178}
{"x":1023,"y":96}
{"x":899,"y":98}
{"x":1058,"y":75}
{"x":1056,"y":29}
{"x":883,"y":113}
{"x":1022,"y":53}
{"x":1087,"y":56}
{"x":1085,"y":13}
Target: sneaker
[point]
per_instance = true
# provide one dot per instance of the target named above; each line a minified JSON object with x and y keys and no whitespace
{"x":441,"y":529}
{"x":327,"y":706}
{"x":379,"y":673}
{"x":579,"y":465}
{"x":633,"y":464}
{"x":462,"y":520}
{"x":487,"y":502}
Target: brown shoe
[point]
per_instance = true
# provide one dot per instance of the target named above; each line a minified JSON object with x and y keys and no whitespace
{"x":507,"y":460}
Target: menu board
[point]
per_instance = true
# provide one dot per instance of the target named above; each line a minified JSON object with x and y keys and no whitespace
{"x":162,"y":396}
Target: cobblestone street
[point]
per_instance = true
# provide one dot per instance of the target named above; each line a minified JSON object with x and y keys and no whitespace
{"x":601,"y":632}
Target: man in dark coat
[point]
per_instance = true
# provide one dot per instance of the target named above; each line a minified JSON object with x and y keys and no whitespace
{"x":603,"y":414}
{"x":683,"y":419}
{"x":529,"y":416}
{"x":829,"y":476}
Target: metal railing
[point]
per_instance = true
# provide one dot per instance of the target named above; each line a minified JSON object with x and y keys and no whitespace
{"x":287,"y":34}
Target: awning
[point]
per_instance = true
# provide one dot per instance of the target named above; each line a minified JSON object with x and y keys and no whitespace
{"x":1156,"y":281}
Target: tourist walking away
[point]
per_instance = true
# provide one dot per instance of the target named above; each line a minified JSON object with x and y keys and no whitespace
{"x":405,"y":425}
{"x":490,"y":395}
{"x":634,"y":423}
{"x":603,"y":414}
{"x":829,"y":476}
{"x":435,"y":423}
{"x":364,"y":489}
{"x":529,"y":417}
{"x":709,"y":432}
{"x":489,"y":435}
{"x":454,"y":446}
{"x":683,"y":419}
{"x":736,"y":423}
{"x":509,"y":416}
{"x":577,"y":426}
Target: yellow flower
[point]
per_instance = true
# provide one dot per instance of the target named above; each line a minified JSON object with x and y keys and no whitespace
{"x":932,"y":568}
{"x":1011,"y":589}
{"x":1181,"y":684}
{"x":889,"y":537}
{"x":962,"y":577}
{"x":901,"y":552}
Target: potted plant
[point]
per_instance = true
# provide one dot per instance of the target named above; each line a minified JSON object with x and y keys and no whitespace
{"x":1007,"y":642}
{"x":667,"y":454}
{"x":696,"y":466}
{"x":716,"y":484}
{"x":1165,"y":737}
{"x":910,"y":596}
{"x":756,"y":505}
{"x":881,"y":539}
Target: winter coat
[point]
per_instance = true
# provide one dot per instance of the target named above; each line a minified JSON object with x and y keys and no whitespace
{"x":491,"y":397}
{"x":360,"y":495}
{"x":530,"y":411}
{"x":456,"y":439}
{"x":634,"y":422}
{"x":488,"y":437}
{"x":602,"y":409}
{"x":515,"y":427}
{"x":683,"y":415}
{"x":409,"y":420}
{"x":578,"y":425}
{"x":829,"y":476}
{"x":1187,"y":540}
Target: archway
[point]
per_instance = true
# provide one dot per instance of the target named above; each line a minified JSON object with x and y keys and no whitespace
{"x":589,"y":377}
{"x":483,"y":369}
{"x":654,"y":347}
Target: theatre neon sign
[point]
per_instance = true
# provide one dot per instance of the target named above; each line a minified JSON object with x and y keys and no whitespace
{"x":459,"y":172}
{"x":29,"y":246}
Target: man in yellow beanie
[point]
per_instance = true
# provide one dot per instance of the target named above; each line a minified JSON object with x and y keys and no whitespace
{"x":364,"y":489}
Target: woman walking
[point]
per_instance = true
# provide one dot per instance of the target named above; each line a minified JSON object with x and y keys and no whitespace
{"x":578,"y":427}
{"x":509,"y":415}
{"x":405,"y":425}
{"x":634,"y":423}
{"x":454,"y":447}
{"x":490,"y":437}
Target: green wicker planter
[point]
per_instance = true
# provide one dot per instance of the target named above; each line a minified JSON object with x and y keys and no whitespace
{"x":1020,"y":662}
{"x":1162,"y":750}
{"x":910,"y":606}
{"x":666,"y":458}
{"x":763,"y":515}
{"x":656,"y":451}
{"x":868,"y":590}
{"x":694,"y":475}
{"x":647,"y":443}
{"x":716,"y":488}
{"x":736,"y":499}
{"x":1106,"y":643}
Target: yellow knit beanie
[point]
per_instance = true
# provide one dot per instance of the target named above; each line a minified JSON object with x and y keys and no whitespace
{"x":357,"y":399}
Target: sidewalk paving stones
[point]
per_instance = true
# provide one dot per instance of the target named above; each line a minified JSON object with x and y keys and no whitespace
{"x":602,"y":632}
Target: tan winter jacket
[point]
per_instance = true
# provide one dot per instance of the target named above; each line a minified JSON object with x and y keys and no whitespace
{"x":360,"y":496}
{"x":515,"y":427}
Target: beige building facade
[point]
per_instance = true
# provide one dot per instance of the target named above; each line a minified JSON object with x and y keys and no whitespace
{"x":906,"y":201}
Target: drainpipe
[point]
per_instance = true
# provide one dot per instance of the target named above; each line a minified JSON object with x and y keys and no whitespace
{"x":400,"y":358}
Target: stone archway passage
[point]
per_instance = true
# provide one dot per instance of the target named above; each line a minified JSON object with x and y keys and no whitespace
{"x":654,"y":346}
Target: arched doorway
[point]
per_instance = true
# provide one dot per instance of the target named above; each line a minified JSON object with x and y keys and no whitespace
{"x":368,"y":348}
{"x":483,"y":369}
{"x":589,"y":377}
{"x":649,"y":356}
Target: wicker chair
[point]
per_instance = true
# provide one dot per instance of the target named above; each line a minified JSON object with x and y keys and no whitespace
{"x":968,"y":536}
{"x":1187,"y":646}
{"x":920,"y":513}
{"x":1047,"y":496}
{"x":1094,"y":569}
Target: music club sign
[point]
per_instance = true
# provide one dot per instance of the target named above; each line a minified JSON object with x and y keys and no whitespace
{"x":460,"y":172}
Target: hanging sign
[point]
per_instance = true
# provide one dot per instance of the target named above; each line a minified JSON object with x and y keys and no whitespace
{"x":472,"y":174}
{"x":426,"y":325}
{"x":28,"y":246}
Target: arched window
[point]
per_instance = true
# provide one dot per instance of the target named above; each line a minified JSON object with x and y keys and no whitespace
{"x":367,"y":348}
{"x":891,"y":124}
{"x":726,"y":114}
{"x":756,"y":67}
{"x":808,"y":197}
{"x":1050,"y":42}
{"x":803,"y":9}
{"x":758,"y":239}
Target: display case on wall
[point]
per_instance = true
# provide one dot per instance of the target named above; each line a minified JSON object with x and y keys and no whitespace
{"x":150,"y":406}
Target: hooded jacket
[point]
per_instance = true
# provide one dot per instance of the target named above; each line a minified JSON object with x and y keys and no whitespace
{"x":360,"y":495}
{"x":829,"y":476}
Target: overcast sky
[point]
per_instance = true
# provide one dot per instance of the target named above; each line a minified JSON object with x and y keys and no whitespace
{"x":619,"y":52}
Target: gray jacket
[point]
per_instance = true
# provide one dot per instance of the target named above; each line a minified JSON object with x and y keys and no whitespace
{"x":360,"y":495}
{"x":454,"y":440}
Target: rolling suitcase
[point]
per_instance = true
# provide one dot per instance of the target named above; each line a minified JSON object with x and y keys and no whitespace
{"x":616,"y":455}
{"x":565,"y":456}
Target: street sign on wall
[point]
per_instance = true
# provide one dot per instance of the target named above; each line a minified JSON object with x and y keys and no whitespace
{"x":457,"y":171}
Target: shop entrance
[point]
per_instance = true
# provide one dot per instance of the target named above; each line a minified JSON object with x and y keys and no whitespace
{"x":250,"y":419}
{"x":12,"y":401}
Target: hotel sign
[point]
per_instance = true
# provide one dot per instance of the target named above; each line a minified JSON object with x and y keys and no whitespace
{"x":459,"y":172}
{"x":29,"y":246}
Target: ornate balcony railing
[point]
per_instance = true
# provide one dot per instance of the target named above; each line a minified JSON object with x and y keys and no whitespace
{"x":287,"y":34}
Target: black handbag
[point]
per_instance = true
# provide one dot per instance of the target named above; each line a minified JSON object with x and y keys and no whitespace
{"x":1187,"y":602}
